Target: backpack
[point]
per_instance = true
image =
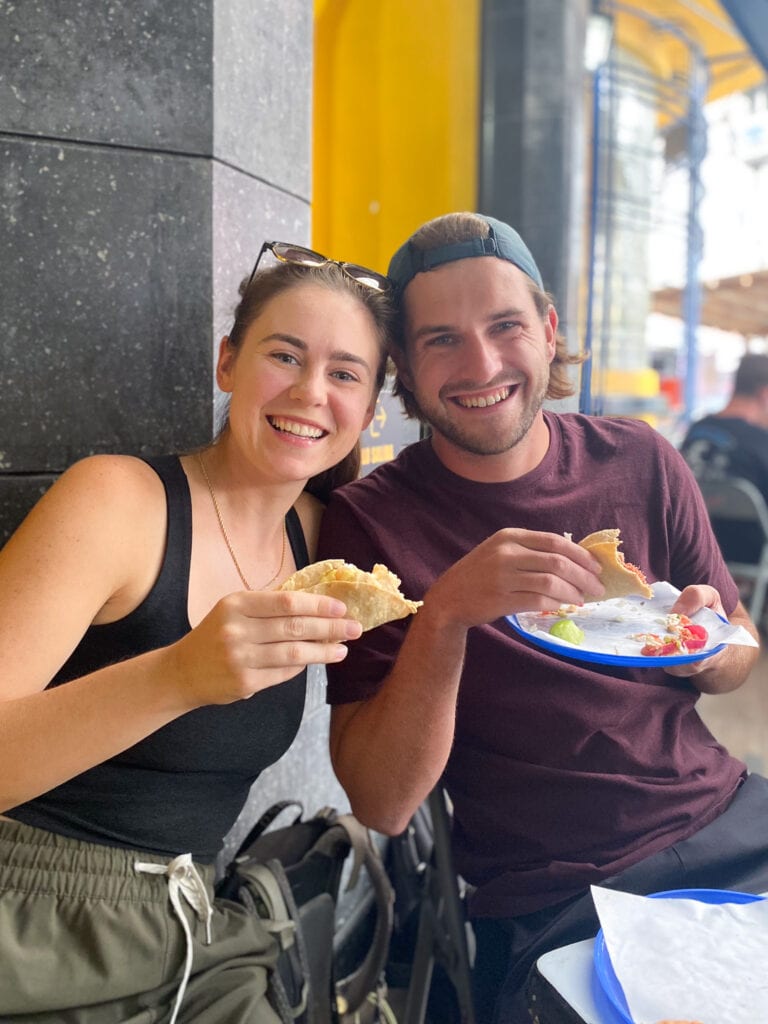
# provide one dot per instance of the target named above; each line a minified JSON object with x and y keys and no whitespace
{"x":291,"y":878}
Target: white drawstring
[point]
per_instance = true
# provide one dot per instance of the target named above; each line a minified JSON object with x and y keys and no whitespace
{"x":183,"y":879}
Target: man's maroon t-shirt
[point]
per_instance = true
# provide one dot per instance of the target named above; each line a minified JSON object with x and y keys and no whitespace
{"x":562,"y":773}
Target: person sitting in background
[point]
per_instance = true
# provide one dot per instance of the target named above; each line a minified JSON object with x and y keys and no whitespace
{"x":562,"y":773}
{"x":734,"y":443}
{"x":151,"y":669}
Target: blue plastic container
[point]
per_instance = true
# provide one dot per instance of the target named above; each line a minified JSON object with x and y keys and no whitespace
{"x":608,"y":993}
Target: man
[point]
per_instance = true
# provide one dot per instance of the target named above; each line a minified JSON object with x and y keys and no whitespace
{"x":734,"y":443}
{"x":562,"y":773}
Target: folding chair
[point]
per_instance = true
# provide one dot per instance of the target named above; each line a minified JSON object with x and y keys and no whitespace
{"x":442,"y":933}
{"x":740,"y":501}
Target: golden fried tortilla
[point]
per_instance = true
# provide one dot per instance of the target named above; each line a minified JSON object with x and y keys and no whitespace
{"x":372,"y":598}
{"x":619,"y":578}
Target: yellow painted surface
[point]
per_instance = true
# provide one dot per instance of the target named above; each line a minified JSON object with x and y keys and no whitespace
{"x":396,"y":98}
{"x":396,"y":106}
{"x":705,"y":22}
{"x":638,"y":383}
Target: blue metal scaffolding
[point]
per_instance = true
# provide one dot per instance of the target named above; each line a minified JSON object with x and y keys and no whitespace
{"x":615,"y":212}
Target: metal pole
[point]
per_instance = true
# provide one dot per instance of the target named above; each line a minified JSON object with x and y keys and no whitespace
{"x":692,"y":292}
{"x":585,"y":391}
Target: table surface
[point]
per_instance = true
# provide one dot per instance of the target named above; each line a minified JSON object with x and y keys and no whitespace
{"x":569,"y":971}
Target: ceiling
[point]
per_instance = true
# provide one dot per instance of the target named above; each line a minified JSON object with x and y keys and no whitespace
{"x":733,"y":303}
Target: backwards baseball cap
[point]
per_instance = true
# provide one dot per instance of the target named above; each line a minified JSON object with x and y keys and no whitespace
{"x":502,"y":241}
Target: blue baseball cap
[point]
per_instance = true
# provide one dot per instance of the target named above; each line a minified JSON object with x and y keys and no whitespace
{"x":502,"y":241}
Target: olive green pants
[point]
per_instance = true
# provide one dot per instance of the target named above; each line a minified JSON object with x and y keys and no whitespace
{"x":93,"y":934}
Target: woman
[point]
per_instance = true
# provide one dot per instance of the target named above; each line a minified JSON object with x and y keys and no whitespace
{"x":151,"y":669}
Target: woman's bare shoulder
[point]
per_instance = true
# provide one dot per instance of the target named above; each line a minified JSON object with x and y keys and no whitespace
{"x":85,"y":553}
{"x":97,"y":492}
{"x":114,"y":472}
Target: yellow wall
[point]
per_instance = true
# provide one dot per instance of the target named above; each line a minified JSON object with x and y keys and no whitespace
{"x":396,"y":113}
{"x":396,"y":107}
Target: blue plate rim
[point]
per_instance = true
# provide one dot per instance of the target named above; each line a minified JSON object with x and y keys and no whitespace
{"x":601,"y":658}
{"x":607,"y":984}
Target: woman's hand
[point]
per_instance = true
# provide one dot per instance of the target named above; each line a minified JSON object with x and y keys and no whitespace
{"x":254,"y":639}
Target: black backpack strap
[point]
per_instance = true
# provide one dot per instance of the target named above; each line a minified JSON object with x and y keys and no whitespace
{"x":265,"y":821}
{"x":354,"y":989}
{"x":229,"y":884}
{"x":290,"y":877}
{"x":267,"y":894}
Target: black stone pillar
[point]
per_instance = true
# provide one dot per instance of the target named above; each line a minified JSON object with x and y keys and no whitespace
{"x":147,"y":149}
{"x":532,"y":132}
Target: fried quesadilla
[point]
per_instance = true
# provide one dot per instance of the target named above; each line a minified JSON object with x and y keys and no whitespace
{"x":620,"y":578}
{"x":372,"y":598}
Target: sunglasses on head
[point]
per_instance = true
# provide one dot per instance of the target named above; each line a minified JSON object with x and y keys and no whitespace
{"x":285,"y":252}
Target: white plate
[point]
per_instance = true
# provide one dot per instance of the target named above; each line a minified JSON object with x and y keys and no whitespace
{"x":610,"y":625}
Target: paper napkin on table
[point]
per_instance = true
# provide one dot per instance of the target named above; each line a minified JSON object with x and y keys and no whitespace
{"x":682,"y":959}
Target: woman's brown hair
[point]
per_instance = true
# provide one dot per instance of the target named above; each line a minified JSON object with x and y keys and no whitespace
{"x":266,"y":285}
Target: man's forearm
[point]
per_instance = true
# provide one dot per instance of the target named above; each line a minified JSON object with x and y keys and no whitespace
{"x":729,"y":669}
{"x":729,"y":672}
{"x":389,"y":751}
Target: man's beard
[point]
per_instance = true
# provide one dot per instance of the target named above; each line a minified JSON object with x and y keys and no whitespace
{"x":478,"y":442}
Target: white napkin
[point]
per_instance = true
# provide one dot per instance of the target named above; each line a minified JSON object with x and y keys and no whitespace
{"x":682,"y":959}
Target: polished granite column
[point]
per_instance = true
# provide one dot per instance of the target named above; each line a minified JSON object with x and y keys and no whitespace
{"x":532,"y":159}
{"x":147,"y":149}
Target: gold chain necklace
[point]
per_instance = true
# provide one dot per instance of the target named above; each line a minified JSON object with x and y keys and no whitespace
{"x":228,"y":542}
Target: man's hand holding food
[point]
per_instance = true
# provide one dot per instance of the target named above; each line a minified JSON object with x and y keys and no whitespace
{"x":515,"y":570}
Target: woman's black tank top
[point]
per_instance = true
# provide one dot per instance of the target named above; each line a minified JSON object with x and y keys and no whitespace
{"x":180,"y":789}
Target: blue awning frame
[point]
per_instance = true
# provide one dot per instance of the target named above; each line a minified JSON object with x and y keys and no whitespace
{"x":751,"y":19}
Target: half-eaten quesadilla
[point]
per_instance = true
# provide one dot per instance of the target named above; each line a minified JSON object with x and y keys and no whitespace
{"x":372,"y":598}
{"x":620,"y":578}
